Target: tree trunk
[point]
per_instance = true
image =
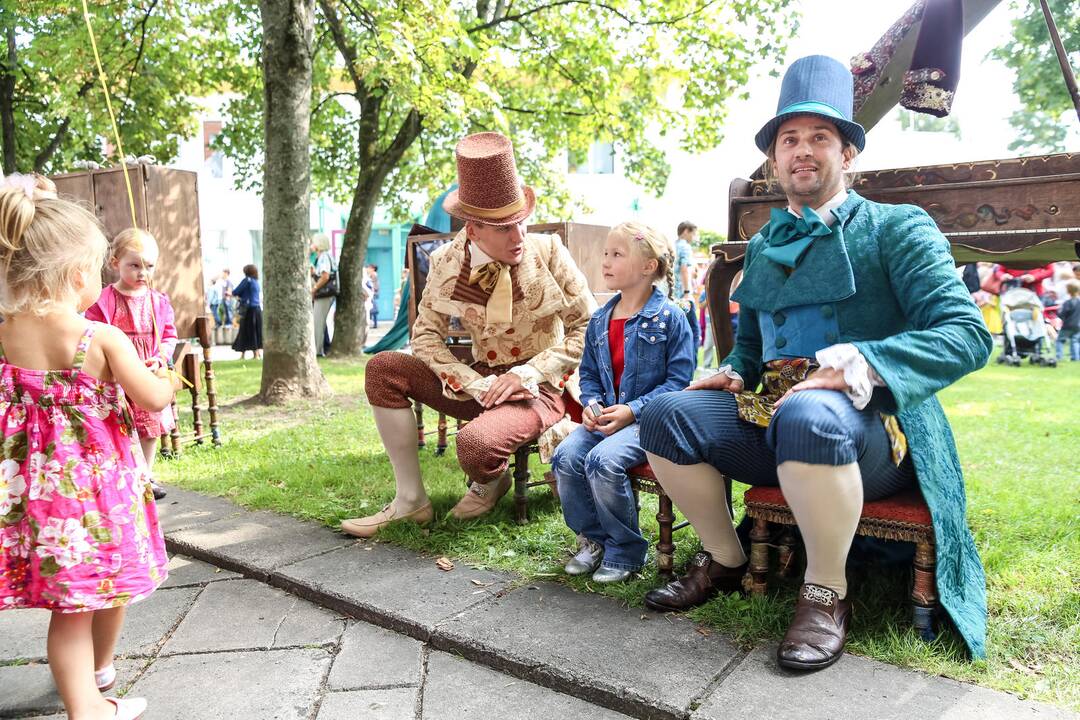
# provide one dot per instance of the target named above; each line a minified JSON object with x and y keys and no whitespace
{"x":7,"y":101}
{"x":350,"y":320}
{"x":289,"y":366}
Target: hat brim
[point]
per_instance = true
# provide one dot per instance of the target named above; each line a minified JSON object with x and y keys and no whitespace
{"x":452,"y":205}
{"x":853,"y":131}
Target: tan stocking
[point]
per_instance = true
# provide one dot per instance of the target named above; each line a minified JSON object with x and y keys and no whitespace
{"x":397,"y":428}
{"x":827,"y":501}
{"x":700,"y":494}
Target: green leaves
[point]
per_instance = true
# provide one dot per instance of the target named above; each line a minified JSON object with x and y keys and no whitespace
{"x":1039,"y":83}
{"x":15,"y":447}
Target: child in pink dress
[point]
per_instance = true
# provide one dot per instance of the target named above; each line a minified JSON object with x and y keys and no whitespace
{"x":146,"y":316}
{"x":79,"y":532}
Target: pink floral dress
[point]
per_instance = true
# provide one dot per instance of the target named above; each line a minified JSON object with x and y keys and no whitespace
{"x":135,"y":316}
{"x":78,"y":524}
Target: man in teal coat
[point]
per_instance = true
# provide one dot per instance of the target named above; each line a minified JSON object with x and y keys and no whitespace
{"x":851,"y":318}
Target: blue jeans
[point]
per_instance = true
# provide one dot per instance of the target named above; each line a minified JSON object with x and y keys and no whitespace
{"x":594,"y":489}
{"x":1072,"y":339}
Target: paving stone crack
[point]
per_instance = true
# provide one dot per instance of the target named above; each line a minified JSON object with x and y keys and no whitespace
{"x":324,"y":682}
{"x":418,"y":707}
{"x":720,"y":677}
{"x":284,"y":617}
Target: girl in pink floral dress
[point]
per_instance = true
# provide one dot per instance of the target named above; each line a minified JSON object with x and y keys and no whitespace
{"x":78,"y":526}
{"x":146,"y":316}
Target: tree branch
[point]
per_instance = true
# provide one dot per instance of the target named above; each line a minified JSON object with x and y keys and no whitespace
{"x":601,"y":5}
{"x":329,"y":97}
{"x":142,"y":44}
{"x":348,"y":52}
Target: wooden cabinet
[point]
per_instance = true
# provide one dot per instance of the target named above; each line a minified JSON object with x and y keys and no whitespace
{"x":166,"y":206}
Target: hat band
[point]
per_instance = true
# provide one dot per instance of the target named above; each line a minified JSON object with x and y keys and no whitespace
{"x":493,"y":213}
{"x":813,"y":106}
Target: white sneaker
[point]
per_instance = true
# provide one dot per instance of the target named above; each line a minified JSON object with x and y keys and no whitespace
{"x":587,"y":559}
{"x":128,"y":708}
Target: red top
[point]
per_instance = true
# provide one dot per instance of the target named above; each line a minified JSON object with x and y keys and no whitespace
{"x":616,"y":328}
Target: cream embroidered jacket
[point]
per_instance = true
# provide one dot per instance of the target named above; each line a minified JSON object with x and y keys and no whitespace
{"x":551,"y":310}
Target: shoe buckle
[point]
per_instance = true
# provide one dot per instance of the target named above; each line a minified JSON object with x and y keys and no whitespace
{"x":700,"y":560}
{"x":479,"y":489}
{"x":818,"y":594}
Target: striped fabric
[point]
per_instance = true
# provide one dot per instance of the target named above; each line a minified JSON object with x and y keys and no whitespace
{"x":464,"y":292}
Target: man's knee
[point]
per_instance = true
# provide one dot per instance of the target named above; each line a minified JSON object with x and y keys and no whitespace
{"x":659,"y":415}
{"x":810,"y":427}
{"x":385,"y":380}
{"x":476,"y":455}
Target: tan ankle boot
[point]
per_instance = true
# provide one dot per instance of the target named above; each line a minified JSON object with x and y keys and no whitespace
{"x":481,"y":498}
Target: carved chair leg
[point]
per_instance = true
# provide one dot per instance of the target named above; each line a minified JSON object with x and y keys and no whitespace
{"x":521,"y":485}
{"x":759,"y":557}
{"x":418,"y":409}
{"x":786,"y":559}
{"x":924,"y":600}
{"x":440,"y":448}
{"x":665,"y":546}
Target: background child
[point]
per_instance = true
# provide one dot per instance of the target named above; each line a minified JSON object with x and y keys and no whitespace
{"x":639,"y":345}
{"x":146,"y":316}
{"x":78,"y":526}
{"x":1069,"y":314}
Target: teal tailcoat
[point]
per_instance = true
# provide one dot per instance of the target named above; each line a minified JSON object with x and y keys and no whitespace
{"x":888,"y":276}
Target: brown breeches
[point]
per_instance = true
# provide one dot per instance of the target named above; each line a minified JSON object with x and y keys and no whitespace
{"x":485,"y":444}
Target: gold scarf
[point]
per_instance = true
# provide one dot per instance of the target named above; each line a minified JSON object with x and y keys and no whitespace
{"x":494,"y":278}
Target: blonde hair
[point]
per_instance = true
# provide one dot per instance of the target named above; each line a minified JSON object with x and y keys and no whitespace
{"x":132,"y":240}
{"x":321,"y":242}
{"x":44,"y":243}
{"x":1073,"y":288}
{"x":650,"y":244}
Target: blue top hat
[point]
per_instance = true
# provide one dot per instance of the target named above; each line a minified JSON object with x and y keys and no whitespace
{"x":815,"y":85}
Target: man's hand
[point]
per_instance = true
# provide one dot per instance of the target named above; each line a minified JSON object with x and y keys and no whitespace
{"x":719,"y":381}
{"x":820,"y":379}
{"x":507,"y":387}
{"x":614,"y":418}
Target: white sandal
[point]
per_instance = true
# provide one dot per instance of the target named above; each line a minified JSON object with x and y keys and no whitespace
{"x":105,"y":678}
{"x":128,"y":708}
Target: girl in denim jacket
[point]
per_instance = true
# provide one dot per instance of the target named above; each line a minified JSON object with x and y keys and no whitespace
{"x":637,"y":346}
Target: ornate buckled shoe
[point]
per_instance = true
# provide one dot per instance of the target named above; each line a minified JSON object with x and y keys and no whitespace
{"x":704,"y":578}
{"x":588,"y":558}
{"x":481,"y":498}
{"x":815,"y":639}
{"x":366,"y":527}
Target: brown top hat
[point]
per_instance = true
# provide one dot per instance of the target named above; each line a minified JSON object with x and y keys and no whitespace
{"x":489,"y":190}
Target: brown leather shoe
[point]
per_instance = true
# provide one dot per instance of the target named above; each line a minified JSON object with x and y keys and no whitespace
{"x":704,"y":578}
{"x":366,"y":527}
{"x":481,"y":498}
{"x":815,"y":639}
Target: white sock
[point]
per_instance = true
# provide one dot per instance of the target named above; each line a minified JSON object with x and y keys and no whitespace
{"x":700,"y":494}
{"x":397,"y":428}
{"x":105,"y":676}
{"x":826,"y":501}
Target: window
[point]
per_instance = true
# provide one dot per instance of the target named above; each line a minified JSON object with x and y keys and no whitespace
{"x":214,"y":158}
{"x":599,"y":159}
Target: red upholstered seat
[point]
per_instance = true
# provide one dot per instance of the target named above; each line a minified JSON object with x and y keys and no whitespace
{"x":908,"y":507}
{"x":642,"y":470}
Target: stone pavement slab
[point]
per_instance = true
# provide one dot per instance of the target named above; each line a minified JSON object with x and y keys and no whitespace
{"x":248,"y":615}
{"x":394,"y":704}
{"x":590,"y":647}
{"x":189,"y":571}
{"x":372,"y":657}
{"x":149,"y":621}
{"x":856,"y":688}
{"x":279,"y":684}
{"x":29,"y":688}
{"x":23,"y":633}
{"x":456,"y":689}
{"x":184,"y":509}
{"x":390,"y":586}
{"x":255,"y":543}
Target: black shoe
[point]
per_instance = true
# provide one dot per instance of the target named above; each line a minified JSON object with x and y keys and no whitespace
{"x":159,"y":492}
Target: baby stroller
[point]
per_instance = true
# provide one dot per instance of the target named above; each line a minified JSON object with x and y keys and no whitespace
{"x":1024,"y":325}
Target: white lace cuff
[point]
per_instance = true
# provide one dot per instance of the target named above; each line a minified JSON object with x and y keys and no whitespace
{"x":530,"y":378}
{"x":727,"y":370}
{"x":861,"y":379}
{"x":477,"y":388}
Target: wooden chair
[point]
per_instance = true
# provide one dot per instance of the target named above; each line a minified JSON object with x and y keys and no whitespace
{"x":642,"y":480}
{"x":904,"y":516}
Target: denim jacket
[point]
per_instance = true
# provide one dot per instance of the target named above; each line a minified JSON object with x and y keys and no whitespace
{"x":658,"y":354}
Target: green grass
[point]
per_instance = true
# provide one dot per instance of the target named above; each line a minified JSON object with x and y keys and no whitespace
{"x":1018,"y":431}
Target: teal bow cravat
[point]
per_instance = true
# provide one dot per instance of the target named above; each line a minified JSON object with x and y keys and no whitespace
{"x":790,"y":237}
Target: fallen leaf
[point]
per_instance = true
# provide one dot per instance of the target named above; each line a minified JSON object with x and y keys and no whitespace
{"x":1017,"y":665}
{"x":477,"y":583}
{"x":703,"y":631}
{"x":445,"y":564}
